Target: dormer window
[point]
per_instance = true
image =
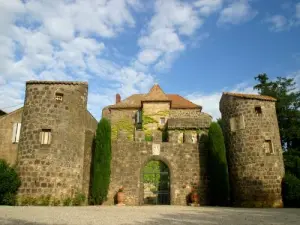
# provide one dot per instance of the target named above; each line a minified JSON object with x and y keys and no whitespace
{"x":59,"y":97}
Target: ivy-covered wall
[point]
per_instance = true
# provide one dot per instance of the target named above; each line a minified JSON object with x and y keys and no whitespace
{"x":152,"y":113}
{"x":123,"y":119}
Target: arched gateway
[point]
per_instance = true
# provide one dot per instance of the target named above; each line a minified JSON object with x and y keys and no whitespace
{"x":156,"y":183}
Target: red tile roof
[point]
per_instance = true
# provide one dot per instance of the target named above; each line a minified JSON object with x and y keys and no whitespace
{"x":155,"y":94}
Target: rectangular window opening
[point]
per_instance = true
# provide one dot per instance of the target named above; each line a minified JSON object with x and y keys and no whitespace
{"x":162,"y":121}
{"x":16,"y":132}
{"x":59,"y":97}
{"x":268,"y":147}
{"x":258,"y":110}
{"x":45,"y":136}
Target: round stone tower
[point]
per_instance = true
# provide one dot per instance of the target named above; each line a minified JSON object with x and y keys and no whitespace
{"x":51,"y":147}
{"x":254,"y":150}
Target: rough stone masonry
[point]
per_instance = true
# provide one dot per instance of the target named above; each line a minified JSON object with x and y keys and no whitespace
{"x":50,"y":140}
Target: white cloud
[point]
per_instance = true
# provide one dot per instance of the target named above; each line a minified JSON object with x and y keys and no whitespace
{"x":172,"y":21}
{"x":277,"y":22}
{"x":148,"y":56}
{"x":210,"y":102}
{"x":165,"y":40}
{"x":298,"y":11}
{"x":207,"y":7}
{"x":60,"y":28}
{"x":237,"y":12}
{"x":282,"y":23}
{"x":55,"y":40}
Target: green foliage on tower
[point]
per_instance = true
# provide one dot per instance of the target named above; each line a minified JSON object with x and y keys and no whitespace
{"x":217,"y":166}
{"x":101,"y":163}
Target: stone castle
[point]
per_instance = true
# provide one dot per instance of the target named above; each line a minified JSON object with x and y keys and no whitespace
{"x":50,"y":140}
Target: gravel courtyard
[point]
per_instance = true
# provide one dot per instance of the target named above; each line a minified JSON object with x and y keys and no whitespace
{"x":145,"y":215}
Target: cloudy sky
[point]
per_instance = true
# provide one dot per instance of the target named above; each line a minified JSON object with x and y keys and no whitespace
{"x":194,"y":48}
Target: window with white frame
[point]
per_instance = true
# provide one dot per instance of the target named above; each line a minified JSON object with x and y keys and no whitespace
{"x":45,"y":136}
{"x":16,"y":132}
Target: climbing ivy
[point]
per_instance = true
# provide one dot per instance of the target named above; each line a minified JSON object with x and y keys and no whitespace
{"x":123,"y":124}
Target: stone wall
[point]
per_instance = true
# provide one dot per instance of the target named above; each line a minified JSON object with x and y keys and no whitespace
{"x":152,"y":113}
{"x":185,"y":113}
{"x":186,"y":162}
{"x":122,"y":119}
{"x":90,"y":131}
{"x":57,"y":168}
{"x":8,"y":149}
{"x":255,"y":154}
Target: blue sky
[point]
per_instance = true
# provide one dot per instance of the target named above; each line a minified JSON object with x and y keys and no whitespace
{"x":194,"y":48}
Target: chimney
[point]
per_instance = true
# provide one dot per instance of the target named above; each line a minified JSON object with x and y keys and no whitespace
{"x":118,"y":98}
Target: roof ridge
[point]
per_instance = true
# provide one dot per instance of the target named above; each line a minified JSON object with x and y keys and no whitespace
{"x":251,"y":96}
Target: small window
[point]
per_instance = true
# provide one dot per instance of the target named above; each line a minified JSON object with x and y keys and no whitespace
{"x":258,"y":110}
{"x":59,"y":97}
{"x":268,"y":147}
{"x":139,"y":117}
{"x":45,"y":136}
{"x":16,"y":132}
{"x":162,"y":120}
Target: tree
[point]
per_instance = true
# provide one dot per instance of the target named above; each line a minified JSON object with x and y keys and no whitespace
{"x":287,"y":107}
{"x":101,"y":163}
{"x":9,"y":184}
{"x":217,"y":166}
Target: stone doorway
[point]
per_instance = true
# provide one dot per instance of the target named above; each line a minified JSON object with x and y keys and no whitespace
{"x":156,"y":183}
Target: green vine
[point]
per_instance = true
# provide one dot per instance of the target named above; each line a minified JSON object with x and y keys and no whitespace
{"x":123,"y":124}
{"x":148,"y":138}
{"x":148,"y":119}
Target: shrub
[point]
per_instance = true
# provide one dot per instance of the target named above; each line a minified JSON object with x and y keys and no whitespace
{"x":55,"y":202}
{"x":78,"y":199}
{"x":28,"y":200}
{"x":217,"y":166}
{"x":291,"y":190}
{"x":101,"y":163}
{"x":9,"y":184}
{"x":43,"y":200}
{"x":67,"y":201}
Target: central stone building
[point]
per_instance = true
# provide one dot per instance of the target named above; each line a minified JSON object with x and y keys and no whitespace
{"x":165,"y":128}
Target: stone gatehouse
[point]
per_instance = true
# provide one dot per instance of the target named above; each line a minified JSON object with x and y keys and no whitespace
{"x":50,"y":140}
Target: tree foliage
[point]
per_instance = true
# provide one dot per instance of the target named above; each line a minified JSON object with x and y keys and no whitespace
{"x":287,"y":107}
{"x":217,"y":166}
{"x":101,"y":163}
{"x":9,"y":184}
